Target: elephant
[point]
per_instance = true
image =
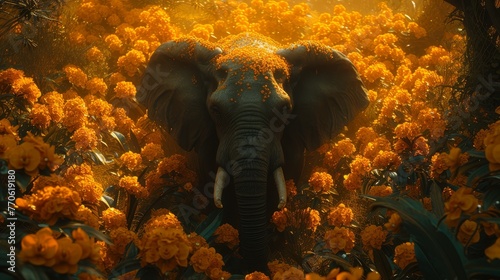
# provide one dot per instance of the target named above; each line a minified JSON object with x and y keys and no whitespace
{"x":250,"y":108}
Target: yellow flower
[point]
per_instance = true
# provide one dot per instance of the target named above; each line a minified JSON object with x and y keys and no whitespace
{"x":373,"y":237}
{"x":39,"y":248}
{"x":75,"y":114}
{"x":340,"y":216}
{"x":226,"y":234}
{"x":131,"y":62}
{"x":339,"y":239}
{"x":67,"y":257}
{"x":96,"y":86}
{"x":461,"y":201}
{"x":152,"y":151}
{"x":280,"y":219}
{"x":132,"y":161}
{"x":24,"y":156}
{"x":321,"y":182}
{"x":75,"y":75}
{"x":121,"y":237}
{"x":40,"y":116}
{"x":113,"y":218}
{"x":7,"y":141}
{"x":292,"y":273}
{"x":94,"y":54}
{"x":468,"y":233}
{"x":113,"y":42}
{"x":27,"y":89}
{"x":125,"y":89}
{"x":197,"y":241}
{"x":85,"y":139}
{"x":380,"y":190}
{"x":394,"y":222}
{"x":404,"y":254}
{"x":86,"y":216}
{"x":313,"y":219}
{"x":277,"y":268}
{"x":89,"y":248}
{"x":256,"y":275}
{"x":205,"y":259}
{"x":343,"y":148}
{"x":493,"y":252}
{"x":132,"y":186}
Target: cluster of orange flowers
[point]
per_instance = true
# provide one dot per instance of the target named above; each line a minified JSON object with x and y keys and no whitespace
{"x":300,"y":218}
{"x":61,"y":254}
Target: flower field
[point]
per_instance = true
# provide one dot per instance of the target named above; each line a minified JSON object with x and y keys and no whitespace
{"x":93,"y":189}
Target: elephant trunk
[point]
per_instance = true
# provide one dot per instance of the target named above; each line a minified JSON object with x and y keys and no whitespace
{"x":251,"y":193}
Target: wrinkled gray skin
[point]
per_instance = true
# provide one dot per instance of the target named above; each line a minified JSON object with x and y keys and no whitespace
{"x":217,"y":108}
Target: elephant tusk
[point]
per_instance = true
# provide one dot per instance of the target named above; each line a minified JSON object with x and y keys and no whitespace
{"x":279,"y":178}
{"x":221,"y":181}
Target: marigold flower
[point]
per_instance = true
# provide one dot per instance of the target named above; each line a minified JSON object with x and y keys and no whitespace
{"x":24,"y":156}
{"x":291,"y":273}
{"x":205,"y":259}
{"x":67,"y":257}
{"x":85,"y":139}
{"x":113,"y":218}
{"x":86,"y":216}
{"x":197,"y":241}
{"x":226,"y":234}
{"x":380,"y":190}
{"x":125,"y":89}
{"x":165,"y":247}
{"x":113,"y":42}
{"x":121,"y":237}
{"x":163,"y":218}
{"x":40,"y":116}
{"x":256,"y":275}
{"x":124,"y":124}
{"x":321,"y":182}
{"x":96,"y":86}
{"x":48,"y":157}
{"x":280,"y":219}
{"x":7,"y":128}
{"x":27,"y":89}
{"x":339,"y":239}
{"x":50,"y":203}
{"x":416,"y":30}
{"x":132,"y":161}
{"x":133,"y":187}
{"x":94,"y":54}
{"x":340,"y":216}
{"x":373,"y":237}
{"x":407,"y":130}
{"x":386,"y":160}
{"x":342,"y":148}
{"x":75,"y":114}
{"x":89,"y":190}
{"x":468,"y":233}
{"x":456,"y":159}
{"x":394,"y":223}
{"x":291,"y":189}
{"x":314,"y":220}
{"x":277,"y":268}
{"x":7,"y":141}
{"x":375,"y":146}
{"x":176,"y":168}
{"x":89,"y":247}
{"x":75,"y":75}
{"x":404,"y":254}
{"x":461,"y":201}
{"x":493,"y":252}
{"x":39,"y":248}
{"x":131,"y":62}
{"x":352,"y":181}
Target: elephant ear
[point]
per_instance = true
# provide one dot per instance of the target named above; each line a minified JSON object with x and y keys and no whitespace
{"x":326,"y":90}
{"x":174,"y":90}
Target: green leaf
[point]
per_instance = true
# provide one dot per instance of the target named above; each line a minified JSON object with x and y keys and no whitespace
{"x":442,"y":251}
{"x":33,"y":272}
{"x":437,"y":200}
{"x":207,"y":228}
{"x":22,"y":180}
{"x":477,"y":174}
{"x":382,"y":264}
{"x":121,"y":139}
{"x":126,"y":266}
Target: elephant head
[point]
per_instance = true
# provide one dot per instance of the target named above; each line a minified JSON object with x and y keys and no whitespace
{"x":250,"y":109}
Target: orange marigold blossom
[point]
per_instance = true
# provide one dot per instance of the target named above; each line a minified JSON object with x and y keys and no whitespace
{"x":7,"y":128}
{"x":197,"y":241}
{"x":461,"y":201}
{"x":132,"y":161}
{"x":313,"y":219}
{"x":90,"y":249}
{"x":493,"y":252}
{"x":27,"y":89}
{"x":50,"y":203}
{"x":86,"y":216}
{"x":291,"y":273}
{"x":96,"y":86}
{"x":40,"y":116}
{"x":380,"y":190}
{"x":75,"y":114}
{"x":277,"y":267}
{"x":339,"y":239}
{"x":67,"y":257}
{"x":340,"y":216}
{"x":48,"y":158}
{"x":7,"y":141}
{"x":121,"y":237}
{"x":75,"y":75}
{"x":39,"y":248}
{"x":132,"y":186}
{"x":373,"y":237}
{"x":256,"y":275}
{"x":394,"y":223}
{"x":24,"y":156}
{"x":342,"y":148}
{"x":113,"y":218}
{"x":321,"y":182}
{"x":280,"y":219}
{"x":131,"y":62}
{"x":166,"y":247}
{"x":404,"y":254}
{"x":152,"y":151}
{"x":227,"y":234}
{"x":85,"y":139}
{"x":468,"y":232}
{"x":206,"y":259}
{"x":125,"y":89}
